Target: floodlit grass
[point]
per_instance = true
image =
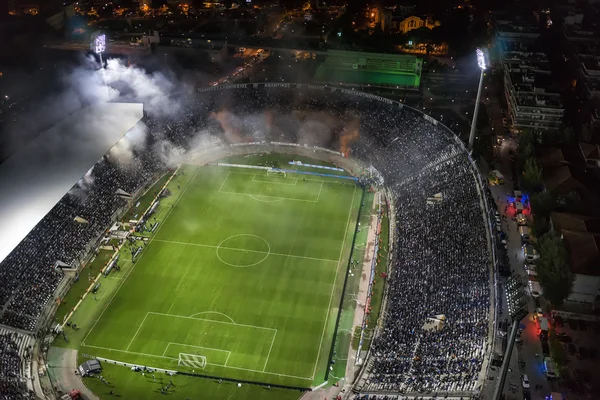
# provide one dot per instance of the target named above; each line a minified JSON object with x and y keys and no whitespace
{"x":126,"y":384}
{"x":78,"y":288}
{"x":245,"y":270}
{"x":144,"y":202}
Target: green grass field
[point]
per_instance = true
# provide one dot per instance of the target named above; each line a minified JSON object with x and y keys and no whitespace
{"x":245,"y":272}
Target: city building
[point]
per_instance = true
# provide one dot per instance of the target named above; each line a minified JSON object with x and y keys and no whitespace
{"x":402,"y":19}
{"x":532,"y":99}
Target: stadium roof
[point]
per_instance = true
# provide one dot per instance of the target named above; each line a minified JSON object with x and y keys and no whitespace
{"x":34,"y":179}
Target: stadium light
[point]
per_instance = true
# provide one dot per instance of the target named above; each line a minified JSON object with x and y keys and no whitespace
{"x":482,"y":62}
{"x":98,"y":44}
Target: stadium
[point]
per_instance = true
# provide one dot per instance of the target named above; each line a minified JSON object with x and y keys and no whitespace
{"x":224,"y":241}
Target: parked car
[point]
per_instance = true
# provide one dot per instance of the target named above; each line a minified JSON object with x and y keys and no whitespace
{"x":545,"y":349}
{"x":564,"y":338}
{"x":525,"y":381}
{"x":539,"y":313}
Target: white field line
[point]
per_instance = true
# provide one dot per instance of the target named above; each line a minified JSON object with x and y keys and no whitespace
{"x":340,"y":180}
{"x":212,"y":320}
{"x":249,"y":251}
{"x":140,"y":258}
{"x":334,"y":282}
{"x":271,"y":197}
{"x":128,"y":352}
{"x":269,"y":354}
{"x":223,"y":184}
{"x":138,"y":331}
{"x":320,"y":189}
{"x":227,"y":360}
{"x":274,"y":183}
{"x":214,"y":365}
{"x":262,"y":372}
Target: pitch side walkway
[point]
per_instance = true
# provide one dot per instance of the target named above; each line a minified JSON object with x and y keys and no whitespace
{"x":62,"y":364}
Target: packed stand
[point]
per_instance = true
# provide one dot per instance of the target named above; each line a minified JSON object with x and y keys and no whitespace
{"x":15,"y":349}
{"x":28,"y":274}
{"x":441,"y":271}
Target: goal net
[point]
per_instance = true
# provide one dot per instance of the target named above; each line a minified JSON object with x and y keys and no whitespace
{"x":272,"y":171}
{"x":192,"y":360}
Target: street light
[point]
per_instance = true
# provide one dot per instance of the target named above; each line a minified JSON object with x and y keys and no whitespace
{"x":482,"y":62}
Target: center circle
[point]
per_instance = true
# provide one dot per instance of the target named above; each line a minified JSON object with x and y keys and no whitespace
{"x":243,"y":250}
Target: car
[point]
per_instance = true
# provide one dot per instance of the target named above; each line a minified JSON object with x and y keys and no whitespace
{"x":564,"y":338}
{"x":545,"y":349}
{"x":539,"y":313}
{"x":525,"y":381}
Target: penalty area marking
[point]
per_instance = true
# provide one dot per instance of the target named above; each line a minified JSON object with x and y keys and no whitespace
{"x":214,"y":312}
{"x":274,"y":199}
{"x":215,"y":365}
{"x":274,"y":183}
{"x":247,"y":251}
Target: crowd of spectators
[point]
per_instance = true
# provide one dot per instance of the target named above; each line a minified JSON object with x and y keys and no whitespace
{"x":441,"y":273}
{"x":33,"y":271}
{"x":15,"y":349}
{"x":440,"y":258}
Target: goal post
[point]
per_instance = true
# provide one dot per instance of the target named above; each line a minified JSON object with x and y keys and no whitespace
{"x":271,"y":171}
{"x":192,"y":360}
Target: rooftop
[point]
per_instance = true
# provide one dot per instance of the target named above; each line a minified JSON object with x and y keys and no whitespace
{"x":508,"y":25}
{"x":550,"y":157}
{"x":583,"y":249}
{"x":574,"y":222}
{"x":34,"y":179}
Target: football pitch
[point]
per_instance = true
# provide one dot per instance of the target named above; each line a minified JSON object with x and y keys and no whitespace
{"x":241,"y":280}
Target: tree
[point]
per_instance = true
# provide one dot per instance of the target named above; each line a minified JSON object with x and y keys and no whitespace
{"x":526,"y":141}
{"x":532,"y":175}
{"x":542,"y":203}
{"x":554,"y":272}
{"x":557,"y":350}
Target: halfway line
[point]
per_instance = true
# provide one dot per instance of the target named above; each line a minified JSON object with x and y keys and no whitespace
{"x":237,"y":249}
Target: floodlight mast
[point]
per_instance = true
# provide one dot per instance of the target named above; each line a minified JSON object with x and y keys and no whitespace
{"x":483,"y":64}
{"x":100,"y":46}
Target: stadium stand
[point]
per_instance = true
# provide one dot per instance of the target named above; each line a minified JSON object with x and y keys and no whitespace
{"x":440,"y":268}
{"x":15,"y":351}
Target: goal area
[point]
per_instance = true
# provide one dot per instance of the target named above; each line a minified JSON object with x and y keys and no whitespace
{"x":276,"y":172}
{"x":192,"y":360}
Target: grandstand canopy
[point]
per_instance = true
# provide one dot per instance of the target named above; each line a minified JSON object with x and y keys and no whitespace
{"x":34,"y":179}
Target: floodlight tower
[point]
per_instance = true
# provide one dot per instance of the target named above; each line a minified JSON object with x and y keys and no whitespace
{"x":99,"y":45}
{"x":482,"y":62}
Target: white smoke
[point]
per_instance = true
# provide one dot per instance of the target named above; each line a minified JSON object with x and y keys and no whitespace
{"x":121,"y":83}
{"x":87,"y":180}
{"x":122,"y":151}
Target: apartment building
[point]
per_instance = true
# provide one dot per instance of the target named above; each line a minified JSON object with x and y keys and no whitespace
{"x":531,"y":97}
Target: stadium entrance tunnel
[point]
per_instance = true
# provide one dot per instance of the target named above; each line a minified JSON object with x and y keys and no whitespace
{"x":243,"y":250}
